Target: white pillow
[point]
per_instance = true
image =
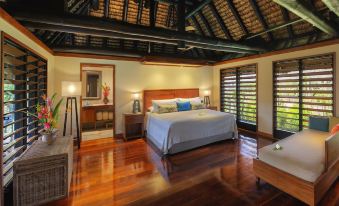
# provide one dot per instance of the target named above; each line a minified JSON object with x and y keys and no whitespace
{"x":156,"y":103}
{"x":192,"y":100}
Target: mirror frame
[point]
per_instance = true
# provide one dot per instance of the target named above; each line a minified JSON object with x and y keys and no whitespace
{"x":100,"y":83}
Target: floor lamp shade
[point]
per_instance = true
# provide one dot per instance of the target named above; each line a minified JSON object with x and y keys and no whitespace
{"x":70,"y":89}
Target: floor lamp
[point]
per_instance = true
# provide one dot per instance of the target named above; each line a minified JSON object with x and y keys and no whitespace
{"x":71,"y":90}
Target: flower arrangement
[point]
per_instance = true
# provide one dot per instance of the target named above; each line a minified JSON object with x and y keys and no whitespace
{"x":105,"y":92}
{"x":48,"y":113}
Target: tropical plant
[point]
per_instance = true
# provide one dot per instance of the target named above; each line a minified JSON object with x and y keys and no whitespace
{"x":105,"y":90}
{"x":48,"y":113}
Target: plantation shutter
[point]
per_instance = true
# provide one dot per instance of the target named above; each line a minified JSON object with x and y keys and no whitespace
{"x":238,"y":94}
{"x":247,"y":94}
{"x":24,"y":80}
{"x":302,"y":87}
{"x":228,"y":91}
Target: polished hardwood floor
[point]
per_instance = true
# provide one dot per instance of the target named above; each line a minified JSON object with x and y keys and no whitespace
{"x":113,"y":172}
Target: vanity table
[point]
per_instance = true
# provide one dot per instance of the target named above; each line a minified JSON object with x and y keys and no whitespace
{"x":97,"y":113}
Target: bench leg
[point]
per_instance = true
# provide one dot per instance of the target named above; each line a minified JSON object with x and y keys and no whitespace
{"x":257,"y":182}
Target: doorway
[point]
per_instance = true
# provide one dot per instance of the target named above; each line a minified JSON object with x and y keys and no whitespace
{"x":97,"y":113}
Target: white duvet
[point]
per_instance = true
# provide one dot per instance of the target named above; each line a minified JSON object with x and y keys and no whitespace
{"x":171,"y":128}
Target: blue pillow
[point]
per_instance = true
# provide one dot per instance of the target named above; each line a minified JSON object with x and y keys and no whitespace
{"x":319,"y":123}
{"x":183,"y":106}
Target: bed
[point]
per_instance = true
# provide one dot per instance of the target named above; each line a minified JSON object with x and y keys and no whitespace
{"x":176,"y":132}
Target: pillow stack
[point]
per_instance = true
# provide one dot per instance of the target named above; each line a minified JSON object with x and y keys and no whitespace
{"x":175,"y":105}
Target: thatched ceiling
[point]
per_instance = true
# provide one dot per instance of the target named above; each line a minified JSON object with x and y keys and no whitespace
{"x":262,"y":23}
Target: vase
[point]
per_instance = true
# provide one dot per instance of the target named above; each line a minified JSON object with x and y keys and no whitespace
{"x":49,"y":137}
{"x":105,"y":100}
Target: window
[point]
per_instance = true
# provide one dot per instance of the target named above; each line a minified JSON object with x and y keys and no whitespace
{"x":302,"y":87}
{"x":238,"y":94}
{"x":24,"y":80}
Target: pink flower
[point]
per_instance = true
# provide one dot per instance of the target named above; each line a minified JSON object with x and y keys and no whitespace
{"x":39,"y":115}
{"x":44,"y":110}
{"x":47,"y":126}
{"x":49,"y":101}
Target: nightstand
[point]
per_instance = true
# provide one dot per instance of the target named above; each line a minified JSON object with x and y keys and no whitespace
{"x":134,"y":125}
{"x":212,"y":107}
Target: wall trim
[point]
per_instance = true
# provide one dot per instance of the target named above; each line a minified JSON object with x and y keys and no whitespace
{"x":9,"y":19}
{"x":283,"y":51}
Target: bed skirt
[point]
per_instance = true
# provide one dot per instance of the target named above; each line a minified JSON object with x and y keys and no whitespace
{"x":184,"y":146}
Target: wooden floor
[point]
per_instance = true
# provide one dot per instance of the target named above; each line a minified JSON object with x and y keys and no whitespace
{"x":114,"y":172}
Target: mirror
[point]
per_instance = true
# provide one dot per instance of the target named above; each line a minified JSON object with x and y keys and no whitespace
{"x":92,"y":84}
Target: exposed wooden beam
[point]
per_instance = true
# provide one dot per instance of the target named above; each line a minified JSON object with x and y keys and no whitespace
{"x":151,"y":13}
{"x":275,"y":28}
{"x":260,"y":17}
{"x":125,"y":10}
{"x":306,"y":12}
{"x":236,"y":15}
{"x":140,"y":7}
{"x":110,"y":28}
{"x":198,"y":8}
{"x":205,"y":22}
{"x":220,"y":21}
{"x":169,"y":16}
{"x":181,"y":16}
{"x":106,"y":8}
{"x":333,"y":5}
{"x":127,"y":53}
{"x":197,"y":25}
{"x":286,"y":18}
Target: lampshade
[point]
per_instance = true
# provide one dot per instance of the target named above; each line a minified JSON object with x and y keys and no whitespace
{"x":70,"y":89}
{"x":136,"y":96}
{"x":207,"y":92}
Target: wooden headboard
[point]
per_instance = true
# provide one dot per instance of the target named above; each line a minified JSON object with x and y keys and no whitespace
{"x":159,"y":94}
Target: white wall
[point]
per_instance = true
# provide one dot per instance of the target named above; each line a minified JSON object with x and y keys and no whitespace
{"x":15,"y":33}
{"x":265,"y":81}
{"x":133,"y":76}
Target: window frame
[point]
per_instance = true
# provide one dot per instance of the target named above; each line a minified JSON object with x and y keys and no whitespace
{"x":279,"y":134}
{"x":32,"y":84}
{"x":241,"y":124}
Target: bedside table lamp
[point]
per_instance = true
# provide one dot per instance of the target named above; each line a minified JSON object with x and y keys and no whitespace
{"x":207,"y":94}
{"x":71,"y":90}
{"x":136,"y":102}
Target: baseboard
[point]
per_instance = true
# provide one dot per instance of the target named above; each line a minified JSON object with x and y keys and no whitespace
{"x":264,"y":134}
{"x":120,"y":135}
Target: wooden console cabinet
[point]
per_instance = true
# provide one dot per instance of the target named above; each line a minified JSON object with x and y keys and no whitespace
{"x":89,"y":114}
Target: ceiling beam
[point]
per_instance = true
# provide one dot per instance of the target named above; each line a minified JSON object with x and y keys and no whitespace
{"x":140,"y":7}
{"x":206,"y":24}
{"x":152,"y":13}
{"x":220,"y":21}
{"x":106,"y":8}
{"x":275,"y":28}
{"x":306,"y":12}
{"x":237,"y":16}
{"x":110,"y":28}
{"x":286,"y":18}
{"x":198,"y":8}
{"x":333,"y":5}
{"x":130,"y":53}
{"x":125,"y":10}
{"x":260,"y":17}
{"x":181,"y":16}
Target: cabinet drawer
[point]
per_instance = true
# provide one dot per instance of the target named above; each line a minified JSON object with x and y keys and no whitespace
{"x":133,"y":119}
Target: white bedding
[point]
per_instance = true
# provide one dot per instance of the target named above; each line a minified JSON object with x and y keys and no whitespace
{"x":172,"y":128}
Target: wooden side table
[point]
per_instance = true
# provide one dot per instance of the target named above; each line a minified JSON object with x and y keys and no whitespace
{"x":212,"y":107}
{"x":134,"y":125}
